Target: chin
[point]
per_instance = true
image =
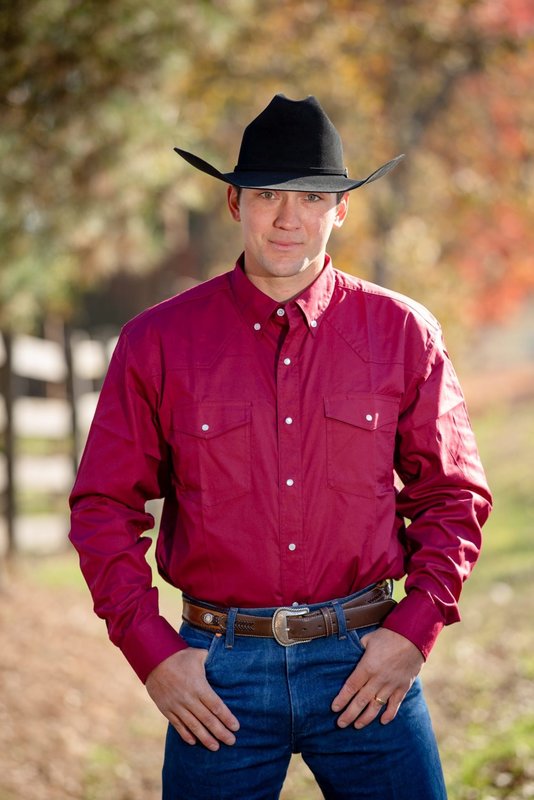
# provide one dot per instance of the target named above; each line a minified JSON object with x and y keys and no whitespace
{"x":290,"y":270}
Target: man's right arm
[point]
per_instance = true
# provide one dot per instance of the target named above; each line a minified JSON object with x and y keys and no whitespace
{"x":124,"y":465}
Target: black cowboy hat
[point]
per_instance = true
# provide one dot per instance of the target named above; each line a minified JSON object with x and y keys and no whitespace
{"x":291,"y":145}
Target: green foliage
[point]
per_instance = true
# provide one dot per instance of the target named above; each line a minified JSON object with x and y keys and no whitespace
{"x":83,"y":121}
{"x":103,"y":765}
{"x":94,"y":95}
{"x":499,"y":764}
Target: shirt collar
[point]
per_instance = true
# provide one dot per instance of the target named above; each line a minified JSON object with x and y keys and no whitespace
{"x":254,"y":305}
{"x":315,"y":299}
{"x":257,"y":307}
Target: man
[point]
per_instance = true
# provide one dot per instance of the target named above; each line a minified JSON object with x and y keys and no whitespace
{"x":271,"y":407}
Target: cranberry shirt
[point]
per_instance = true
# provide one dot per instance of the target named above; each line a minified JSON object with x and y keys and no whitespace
{"x":274,"y":433}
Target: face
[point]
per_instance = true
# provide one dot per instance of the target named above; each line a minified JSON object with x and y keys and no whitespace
{"x":285,"y":233}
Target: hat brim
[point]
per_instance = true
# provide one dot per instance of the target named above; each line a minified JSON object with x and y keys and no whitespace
{"x":287,"y":181}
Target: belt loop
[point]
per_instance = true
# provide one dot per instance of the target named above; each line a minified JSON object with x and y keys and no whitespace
{"x":230,"y":628}
{"x":341,"y":621}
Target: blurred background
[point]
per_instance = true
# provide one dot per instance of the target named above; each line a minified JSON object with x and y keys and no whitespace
{"x":100,"y":219}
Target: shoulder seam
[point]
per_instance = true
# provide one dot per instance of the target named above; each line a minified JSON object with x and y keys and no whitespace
{"x":369,"y":288}
{"x":200,"y":291}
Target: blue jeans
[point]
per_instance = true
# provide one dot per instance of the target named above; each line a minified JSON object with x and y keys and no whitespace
{"x":281,"y":697}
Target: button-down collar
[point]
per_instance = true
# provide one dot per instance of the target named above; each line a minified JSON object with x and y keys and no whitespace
{"x":315,"y":299}
{"x":257,"y":307}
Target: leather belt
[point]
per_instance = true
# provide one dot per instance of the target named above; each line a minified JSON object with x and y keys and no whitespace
{"x":295,"y":624}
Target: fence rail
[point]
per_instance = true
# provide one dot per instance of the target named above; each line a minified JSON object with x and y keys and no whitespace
{"x":49,"y":394}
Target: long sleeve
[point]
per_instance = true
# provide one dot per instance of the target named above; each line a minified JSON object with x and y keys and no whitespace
{"x":445,"y":499}
{"x":123,"y":466}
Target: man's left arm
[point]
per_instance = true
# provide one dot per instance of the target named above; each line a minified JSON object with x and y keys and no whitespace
{"x":446,"y":499}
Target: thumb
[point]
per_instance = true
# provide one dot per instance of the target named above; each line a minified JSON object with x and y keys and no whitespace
{"x":364,"y":641}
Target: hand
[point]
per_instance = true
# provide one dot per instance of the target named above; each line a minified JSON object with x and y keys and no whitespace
{"x":386,"y":670}
{"x":179,"y":688}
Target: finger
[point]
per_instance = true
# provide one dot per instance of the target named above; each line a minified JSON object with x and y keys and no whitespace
{"x":213,"y":703}
{"x":356,"y":707}
{"x":214,"y":715}
{"x":371,"y":712}
{"x":354,"y":683}
{"x":387,"y":711}
{"x":196,"y":727}
{"x":214,"y":725}
{"x":394,"y":703}
{"x":182,"y":731}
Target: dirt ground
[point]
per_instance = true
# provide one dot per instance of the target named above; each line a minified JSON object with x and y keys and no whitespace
{"x":72,"y":718}
{"x":76,"y":724}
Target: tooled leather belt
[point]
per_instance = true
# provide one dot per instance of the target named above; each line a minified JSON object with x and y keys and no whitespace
{"x":294,"y":625}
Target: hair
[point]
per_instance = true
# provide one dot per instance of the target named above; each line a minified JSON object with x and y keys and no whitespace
{"x":339,"y":195}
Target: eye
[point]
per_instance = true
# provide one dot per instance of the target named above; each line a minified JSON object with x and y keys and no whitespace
{"x":313,"y":198}
{"x":267,"y":195}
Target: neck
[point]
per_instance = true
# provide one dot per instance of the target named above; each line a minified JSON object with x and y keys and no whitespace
{"x":286,"y":287}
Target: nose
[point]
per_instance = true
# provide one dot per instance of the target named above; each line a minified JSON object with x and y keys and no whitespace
{"x":288,"y":217}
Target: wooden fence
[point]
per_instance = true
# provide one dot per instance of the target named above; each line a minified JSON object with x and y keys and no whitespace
{"x":49,"y":391}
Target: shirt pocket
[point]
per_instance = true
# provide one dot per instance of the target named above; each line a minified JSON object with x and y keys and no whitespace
{"x":360,"y":442}
{"x":211,"y":445}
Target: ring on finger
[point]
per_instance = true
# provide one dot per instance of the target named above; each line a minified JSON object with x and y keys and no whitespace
{"x":380,"y":701}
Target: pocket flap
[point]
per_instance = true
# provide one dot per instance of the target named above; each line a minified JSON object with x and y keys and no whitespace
{"x":208,"y":420}
{"x":367,"y":411}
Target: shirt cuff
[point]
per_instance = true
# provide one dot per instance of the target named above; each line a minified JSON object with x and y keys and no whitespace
{"x":148,"y":644}
{"x":416,"y":618}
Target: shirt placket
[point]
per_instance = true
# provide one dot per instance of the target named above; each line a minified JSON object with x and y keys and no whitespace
{"x":291,"y":485}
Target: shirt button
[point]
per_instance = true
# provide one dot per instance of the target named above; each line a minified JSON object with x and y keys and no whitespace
{"x":290,"y":482}
{"x":257,"y":326}
{"x":280,"y":312}
{"x":313,"y":323}
{"x":295,"y":603}
{"x":369,"y":417}
{"x":287,"y":361}
{"x":205,"y":427}
{"x":288,"y":420}
{"x":292,"y":547}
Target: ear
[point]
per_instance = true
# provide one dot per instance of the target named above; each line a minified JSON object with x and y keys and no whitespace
{"x":342,"y":209}
{"x":233,"y":203}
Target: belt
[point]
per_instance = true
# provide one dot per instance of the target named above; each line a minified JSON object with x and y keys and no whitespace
{"x":295,"y":625}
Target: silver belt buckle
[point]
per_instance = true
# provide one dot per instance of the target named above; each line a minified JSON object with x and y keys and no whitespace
{"x":279,"y":625}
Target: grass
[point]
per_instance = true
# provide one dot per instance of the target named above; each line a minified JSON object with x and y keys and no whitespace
{"x":100,"y":775}
{"x":504,"y":764}
{"x":506,"y":442}
{"x":490,"y":754}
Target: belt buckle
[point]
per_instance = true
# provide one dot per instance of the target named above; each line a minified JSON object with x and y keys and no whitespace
{"x":279,"y":625}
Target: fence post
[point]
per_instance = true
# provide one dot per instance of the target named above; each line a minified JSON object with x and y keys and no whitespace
{"x":70,"y":385}
{"x":7,"y":382}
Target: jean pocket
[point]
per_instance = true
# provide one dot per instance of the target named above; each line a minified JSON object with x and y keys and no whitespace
{"x":355,"y":637}
{"x":195,"y":637}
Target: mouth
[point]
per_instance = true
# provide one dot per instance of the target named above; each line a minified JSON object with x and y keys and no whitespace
{"x":284,"y":245}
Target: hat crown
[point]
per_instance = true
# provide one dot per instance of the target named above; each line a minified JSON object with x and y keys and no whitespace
{"x":292,"y":135}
